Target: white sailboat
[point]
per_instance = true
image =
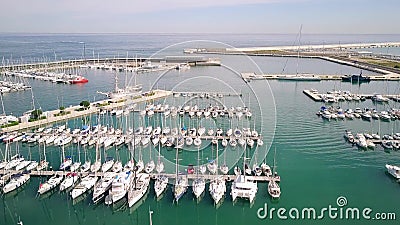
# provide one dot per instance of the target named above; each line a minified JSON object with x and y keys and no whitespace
{"x":16,"y":181}
{"x":138,"y":188}
{"x":70,"y":180}
{"x":160,"y":185}
{"x":273,"y":187}
{"x":102,"y":186}
{"x":181,"y":182}
{"x":119,"y":188}
{"x":49,"y":185}
{"x":199,"y":184}
{"x":217,"y":189}
{"x":86,"y":184}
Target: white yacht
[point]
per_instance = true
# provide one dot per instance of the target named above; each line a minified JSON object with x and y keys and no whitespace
{"x":160,"y":167}
{"x":217,"y":189}
{"x":66,"y":164}
{"x":160,"y":185}
{"x":117,"y":166}
{"x":393,"y":170}
{"x":107,"y":165}
{"x":180,"y":187}
{"x":86,"y":166}
{"x":224,"y":169}
{"x":150,"y":166}
{"x":16,"y":181}
{"x":22,"y":165}
{"x":273,"y":189}
{"x":95,"y":167}
{"x":75,"y":166}
{"x":138,"y":188}
{"x":86,"y":184}
{"x":49,"y":185}
{"x":212,"y":167}
{"x":119,"y":187}
{"x":69,"y":181}
{"x":33,"y":165}
{"x":102,"y":186}
{"x":243,"y":187}
{"x":15,"y":160}
{"x":140,"y":166}
{"x":198,"y":186}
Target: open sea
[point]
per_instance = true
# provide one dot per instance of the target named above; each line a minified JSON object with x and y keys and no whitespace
{"x":317,"y":166}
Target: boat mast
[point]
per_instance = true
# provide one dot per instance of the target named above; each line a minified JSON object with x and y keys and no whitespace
{"x":2,"y":103}
{"x":298,"y":50}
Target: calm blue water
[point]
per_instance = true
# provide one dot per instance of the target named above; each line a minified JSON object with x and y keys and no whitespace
{"x":315,"y":163}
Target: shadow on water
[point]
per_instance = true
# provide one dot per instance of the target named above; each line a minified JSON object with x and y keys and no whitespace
{"x":139,"y":203}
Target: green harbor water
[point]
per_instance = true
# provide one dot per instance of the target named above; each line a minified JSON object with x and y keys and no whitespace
{"x":314,"y":161}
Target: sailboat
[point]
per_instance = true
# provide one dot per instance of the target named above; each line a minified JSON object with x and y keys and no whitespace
{"x":17,"y":180}
{"x":199,"y":184}
{"x":217,"y":187}
{"x":69,"y":181}
{"x":43,"y":164}
{"x":86,"y":184}
{"x":273,"y":187}
{"x":102,"y":186}
{"x":49,"y":185}
{"x":127,"y":92}
{"x":138,"y":188}
{"x":119,"y":188}
{"x":181,"y":182}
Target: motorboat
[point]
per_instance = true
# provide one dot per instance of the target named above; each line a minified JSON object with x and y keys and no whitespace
{"x":212,"y":166}
{"x":66,"y":164}
{"x":393,"y":170}
{"x":78,"y":80}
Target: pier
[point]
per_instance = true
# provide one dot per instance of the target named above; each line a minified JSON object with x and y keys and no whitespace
{"x":227,"y":177}
{"x":386,"y":76}
{"x":73,"y":111}
{"x":297,"y":48}
{"x":117,"y":63}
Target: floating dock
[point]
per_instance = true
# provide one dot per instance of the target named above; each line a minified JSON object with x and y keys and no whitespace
{"x":227,"y":177}
{"x":386,"y":76}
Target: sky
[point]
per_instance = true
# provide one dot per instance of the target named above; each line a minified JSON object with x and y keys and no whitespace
{"x":201,"y":16}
